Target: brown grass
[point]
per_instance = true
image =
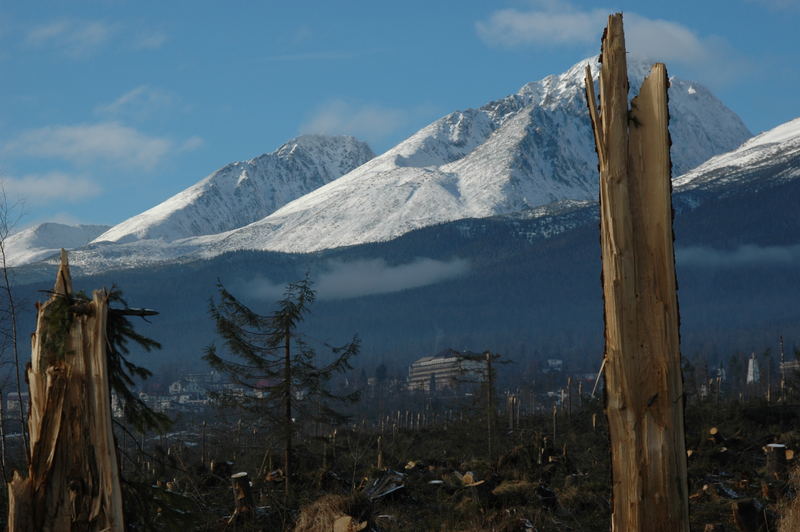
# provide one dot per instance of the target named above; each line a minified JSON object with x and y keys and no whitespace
{"x":790,"y":510}
{"x":320,"y":515}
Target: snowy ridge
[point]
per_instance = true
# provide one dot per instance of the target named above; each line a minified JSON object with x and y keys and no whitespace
{"x":43,"y":240}
{"x":769,"y":149}
{"x":529,"y":149}
{"x":243,"y":192}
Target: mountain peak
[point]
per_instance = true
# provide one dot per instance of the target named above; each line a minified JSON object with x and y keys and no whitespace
{"x":529,"y":149}
{"x":45,"y":239}
{"x":242,"y":192}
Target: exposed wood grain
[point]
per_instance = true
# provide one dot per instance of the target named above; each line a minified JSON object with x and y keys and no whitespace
{"x":644,"y":391}
{"x":73,"y":478}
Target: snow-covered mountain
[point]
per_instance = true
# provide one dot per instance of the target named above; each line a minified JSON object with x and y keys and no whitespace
{"x":773,"y":154}
{"x":243,"y":192}
{"x":526,"y":150}
{"x":529,"y":149}
{"x":41,"y":241}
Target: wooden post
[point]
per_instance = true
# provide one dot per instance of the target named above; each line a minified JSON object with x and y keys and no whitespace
{"x":489,"y":403}
{"x":783,"y":372}
{"x":73,"y":477}
{"x":203,"y":444}
{"x":569,"y":398}
{"x":510,"y":411}
{"x":644,"y":392}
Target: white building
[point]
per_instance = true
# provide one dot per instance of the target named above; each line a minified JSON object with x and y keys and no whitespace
{"x":753,"y":373}
{"x":446,"y":370}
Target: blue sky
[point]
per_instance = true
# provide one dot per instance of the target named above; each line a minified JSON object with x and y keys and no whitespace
{"x":110,"y":107}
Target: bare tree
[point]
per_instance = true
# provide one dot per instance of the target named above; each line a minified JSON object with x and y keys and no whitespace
{"x":9,"y":329}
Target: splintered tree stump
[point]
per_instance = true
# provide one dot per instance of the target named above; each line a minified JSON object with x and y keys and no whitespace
{"x":243,"y":498}
{"x":73,"y":476}
{"x":644,"y":391}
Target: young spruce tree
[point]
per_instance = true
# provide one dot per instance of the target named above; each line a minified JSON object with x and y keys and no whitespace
{"x":268,"y":357}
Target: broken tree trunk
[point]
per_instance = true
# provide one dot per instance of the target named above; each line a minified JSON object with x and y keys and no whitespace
{"x":644,"y":392}
{"x":73,"y":478}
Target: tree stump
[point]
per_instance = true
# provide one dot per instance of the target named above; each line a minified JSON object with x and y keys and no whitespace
{"x":243,"y":498}
{"x":73,"y":477}
{"x":776,"y":460}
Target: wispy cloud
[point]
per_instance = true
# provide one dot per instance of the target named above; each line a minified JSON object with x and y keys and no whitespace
{"x":322,"y":55}
{"x":110,"y":142}
{"x":38,"y":189}
{"x":344,"y":280}
{"x":746,"y":255}
{"x":301,"y":35}
{"x":149,"y":40}
{"x":549,"y":25}
{"x":138,"y":103}
{"x":191,"y":144}
{"x":778,"y":4}
{"x":558,"y":24}
{"x":367,"y":277}
{"x":74,"y":38}
{"x":369,"y":121}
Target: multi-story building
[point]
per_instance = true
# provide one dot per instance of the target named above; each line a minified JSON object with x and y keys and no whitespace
{"x":446,"y":370}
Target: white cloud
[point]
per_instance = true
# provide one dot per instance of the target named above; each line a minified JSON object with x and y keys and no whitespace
{"x":745,"y":255}
{"x":109,"y":142}
{"x":555,"y":23}
{"x":512,"y":27}
{"x":139,"y":103}
{"x":367,"y":277}
{"x":37,"y":189}
{"x":343,"y":280}
{"x":151,"y":40}
{"x":192,"y":143}
{"x":74,"y":38}
{"x":662,"y":40}
{"x":368,"y":121}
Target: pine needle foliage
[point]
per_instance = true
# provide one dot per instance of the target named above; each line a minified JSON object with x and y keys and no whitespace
{"x":275,"y":365}
{"x":256,"y":358}
{"x":123,"y":373}
{"x":120,"y":333}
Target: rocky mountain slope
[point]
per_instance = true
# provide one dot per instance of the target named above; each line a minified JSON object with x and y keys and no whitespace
{"x":761,"y":155}
{"x":43,"y":240}
{"x":526,"y":150}
{"x":243,"y":192}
